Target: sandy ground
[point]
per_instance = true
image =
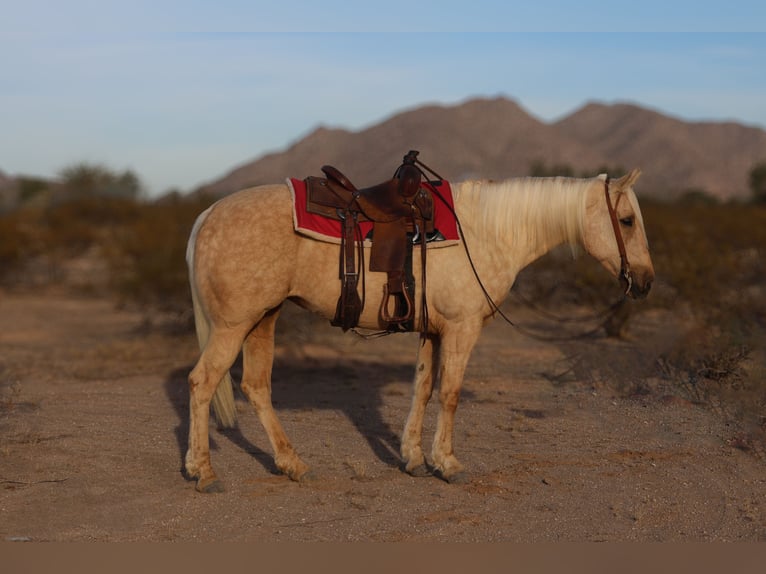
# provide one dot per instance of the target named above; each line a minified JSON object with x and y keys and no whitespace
{"x":569,"y":441}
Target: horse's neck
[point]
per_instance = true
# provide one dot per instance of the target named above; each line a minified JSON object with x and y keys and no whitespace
{"x":520,"y":220}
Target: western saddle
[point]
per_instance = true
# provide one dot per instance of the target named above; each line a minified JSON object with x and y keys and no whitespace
{"x":401,"y":212}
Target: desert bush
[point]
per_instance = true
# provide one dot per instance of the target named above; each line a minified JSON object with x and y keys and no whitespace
{"x":719,"y":369}
{"x":55,"y":221}
{"x":31,"y":188}
{"x":708,"y":254}
{"x":71,"y":227}
{"x":146,"y":258}
{"x":11,"y":244}
{"x":757,"y":180}
{"x":711,"y":258}
{"x":85,"y":180}
{"x":710,"y":261}
{"x":23,"y":238}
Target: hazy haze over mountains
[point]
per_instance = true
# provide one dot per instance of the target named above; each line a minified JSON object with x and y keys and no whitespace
{"x":496,"y":138}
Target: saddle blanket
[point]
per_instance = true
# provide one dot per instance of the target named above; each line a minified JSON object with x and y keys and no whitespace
{"x":329,"y":230}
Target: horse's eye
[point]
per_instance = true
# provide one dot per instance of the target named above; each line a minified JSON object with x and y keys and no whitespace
{"x":627,"y":221}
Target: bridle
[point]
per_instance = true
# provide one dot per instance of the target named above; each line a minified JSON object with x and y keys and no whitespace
{"x":625,"y":274}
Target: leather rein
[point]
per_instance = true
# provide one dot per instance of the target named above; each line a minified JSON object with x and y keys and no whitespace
{"x":626,"y":277}
{"x":625,"y":274}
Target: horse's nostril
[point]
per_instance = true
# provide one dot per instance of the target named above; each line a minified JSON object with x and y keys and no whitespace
{"x":643,"y":291}
{"x":640,"y":290}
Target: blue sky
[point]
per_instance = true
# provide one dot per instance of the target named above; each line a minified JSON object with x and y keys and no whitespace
{"x":181,"y":92}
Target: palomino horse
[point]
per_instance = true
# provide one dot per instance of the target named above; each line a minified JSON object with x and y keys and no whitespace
{"x":245,"y":260}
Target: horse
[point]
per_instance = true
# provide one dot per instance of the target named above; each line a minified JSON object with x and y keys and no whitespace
{"x":245,"y":260}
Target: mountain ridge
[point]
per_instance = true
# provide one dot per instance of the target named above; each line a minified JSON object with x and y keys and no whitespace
{"x":496,"y":138}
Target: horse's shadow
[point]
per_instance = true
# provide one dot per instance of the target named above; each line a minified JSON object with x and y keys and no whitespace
{"x":348,"y":386}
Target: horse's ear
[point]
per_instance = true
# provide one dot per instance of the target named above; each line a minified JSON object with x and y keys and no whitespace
{"x":629,"y":179}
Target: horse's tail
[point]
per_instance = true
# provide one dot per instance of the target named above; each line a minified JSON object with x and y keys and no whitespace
{"x":223,"y":399}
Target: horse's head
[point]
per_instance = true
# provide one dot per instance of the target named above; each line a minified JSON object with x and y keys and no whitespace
{"x":613,"y":233}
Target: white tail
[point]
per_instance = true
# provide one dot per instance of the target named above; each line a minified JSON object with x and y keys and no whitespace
{"x":223,"y":399}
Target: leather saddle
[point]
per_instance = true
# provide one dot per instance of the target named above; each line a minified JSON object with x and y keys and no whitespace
{"x":402,"y":214}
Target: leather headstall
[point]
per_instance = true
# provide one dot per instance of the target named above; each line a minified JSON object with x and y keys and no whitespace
{"x":625,"y":274}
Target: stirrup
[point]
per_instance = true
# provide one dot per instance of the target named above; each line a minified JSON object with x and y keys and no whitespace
{"x":408,"y":313}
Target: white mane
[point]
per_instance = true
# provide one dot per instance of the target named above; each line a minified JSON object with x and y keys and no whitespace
{"x":543,"y":211}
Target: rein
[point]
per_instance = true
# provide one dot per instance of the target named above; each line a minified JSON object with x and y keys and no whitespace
{"x":625,"y":273}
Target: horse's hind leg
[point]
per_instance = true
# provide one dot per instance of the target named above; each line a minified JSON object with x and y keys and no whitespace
{"x":218,"y":355}
{"x":425,"y":374}
{"x":258,"y":357}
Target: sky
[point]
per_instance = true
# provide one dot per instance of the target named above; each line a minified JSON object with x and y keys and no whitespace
{"x":181,"y":92}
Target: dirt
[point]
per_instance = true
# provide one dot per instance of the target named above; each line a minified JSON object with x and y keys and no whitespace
{"x":565,"y":441}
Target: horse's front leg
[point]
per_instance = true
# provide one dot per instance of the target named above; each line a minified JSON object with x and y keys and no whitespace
{"x":456,"y":346}
{"x":425,"y":375}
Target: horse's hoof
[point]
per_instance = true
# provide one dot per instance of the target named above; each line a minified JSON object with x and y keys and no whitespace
{"x":307,"y":477}
{"x":301,"y":475}
{"x":418,"y":471}
{"x":459,"y":477}
{"x":210,"y":486}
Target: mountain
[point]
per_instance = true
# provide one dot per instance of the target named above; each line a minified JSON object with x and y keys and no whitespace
{"x":480,"y":138}
{"x":676,"y":156}
{"x":496,"y":138}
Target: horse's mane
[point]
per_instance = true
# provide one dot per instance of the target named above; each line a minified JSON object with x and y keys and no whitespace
{"x":541,"y":210}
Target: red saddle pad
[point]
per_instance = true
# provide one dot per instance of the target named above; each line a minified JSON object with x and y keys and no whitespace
{"x":326,"y":229}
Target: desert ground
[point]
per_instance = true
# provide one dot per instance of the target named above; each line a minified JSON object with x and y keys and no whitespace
{"x":575,"y":440}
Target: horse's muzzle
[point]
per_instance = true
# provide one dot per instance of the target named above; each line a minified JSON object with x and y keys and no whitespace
{"x":637,"y":292}
{"x":638,"y":286}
